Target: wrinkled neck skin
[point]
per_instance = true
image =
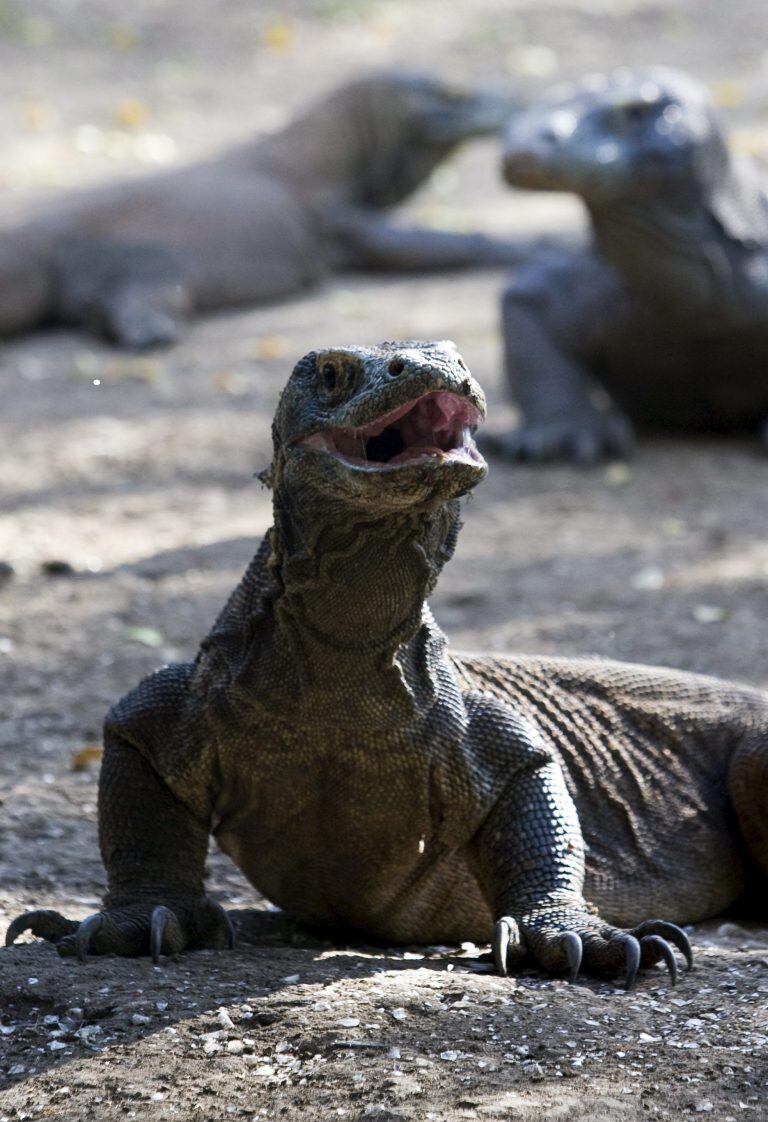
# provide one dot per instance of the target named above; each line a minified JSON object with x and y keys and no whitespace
{"x":347,"y":639}
{"x":350,"y":149}
{"x":666,"y":248}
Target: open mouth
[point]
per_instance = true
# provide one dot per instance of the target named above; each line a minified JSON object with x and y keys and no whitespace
{"x":437,"y":426}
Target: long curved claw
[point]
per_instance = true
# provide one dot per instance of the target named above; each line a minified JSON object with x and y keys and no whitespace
{"x":42,"y":922}
{"x":633,"y":956}
{"x":85,"y":932}
{"x":164,"y":931}
{"x":664,"y":950}
{"x":574,"y":948}
{"x":501,"y":937}
{"x":669,"y":931}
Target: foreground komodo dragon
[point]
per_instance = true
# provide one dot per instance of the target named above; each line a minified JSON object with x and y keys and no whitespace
{"x":365,"y":779}
{"x":254,"y":224}
{"x":668,"y":314}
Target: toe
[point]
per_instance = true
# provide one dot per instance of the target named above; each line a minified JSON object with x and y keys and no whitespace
{"x":166,"y":935}
{"x":668,"y":931}
{"x":574,"y":949}
{"x":655,"y":949}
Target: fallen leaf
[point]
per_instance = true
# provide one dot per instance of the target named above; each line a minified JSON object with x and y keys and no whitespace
{"x":618,"y":475}
{"x":147,"y":636}
{"x":727,"y":93}
{"x":85,"y":757}
{"x":131,"y":112}
{"x":271,"y":346}
{"x":279,"y":36}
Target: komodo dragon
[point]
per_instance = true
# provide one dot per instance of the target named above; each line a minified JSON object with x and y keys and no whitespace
{"x":364,"y":779}
{"x":259,"y":222}
{"x":668,"y":314}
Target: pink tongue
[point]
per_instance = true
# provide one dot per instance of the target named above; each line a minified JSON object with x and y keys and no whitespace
{"x":430,"y":419}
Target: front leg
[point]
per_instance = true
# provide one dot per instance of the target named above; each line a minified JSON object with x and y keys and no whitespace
{"x":530,"y":851}
{"x":136,"y":295}
{"x":556,"y":312}
{"x":154,"y":851}
{"x":369,"y":241}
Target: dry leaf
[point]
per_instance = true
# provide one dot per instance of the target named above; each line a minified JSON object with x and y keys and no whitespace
{"x":279,"y":36}
{"x":86,"y":757}
{"x":727,"y":93}
{"x":131,"y":112}
{"x":147,"y":636}
{"x":271,"y":346}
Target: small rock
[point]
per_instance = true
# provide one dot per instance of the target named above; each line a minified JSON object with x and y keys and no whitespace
{"x":348,"y":1022}
{"x":399,"y":1014}
{"x":450,"y":1056}
{"x":224,"y":1019}
{"x":235,"y":1047}
{"x":291,"y":979}
{"x":648,"y":580}
{"x":709,"y":613}
{"x":56,"y":567}
{"x":140,"y":1019}
{"x":56,"y":1046}
{"x":704,"y":1107}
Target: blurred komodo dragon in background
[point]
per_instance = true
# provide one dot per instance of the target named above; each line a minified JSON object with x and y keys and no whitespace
{"x":259,"y":222}
{"x":364,"y":779}
{"x":668,"y":314}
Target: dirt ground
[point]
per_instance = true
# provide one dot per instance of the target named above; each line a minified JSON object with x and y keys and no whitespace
{"x":129,"y":509}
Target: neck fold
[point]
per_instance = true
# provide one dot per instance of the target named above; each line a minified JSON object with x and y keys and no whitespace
{"x":347,"y":638}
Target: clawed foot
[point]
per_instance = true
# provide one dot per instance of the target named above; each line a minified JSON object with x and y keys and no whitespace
{"x":604,"y":436}
{"x":593,"y":946}
{"x":136,"y":929}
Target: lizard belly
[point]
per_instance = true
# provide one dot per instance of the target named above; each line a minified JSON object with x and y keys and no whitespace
{"x":343,"y":839}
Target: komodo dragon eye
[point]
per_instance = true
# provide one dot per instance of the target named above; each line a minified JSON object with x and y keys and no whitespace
{"x":336,"y":378}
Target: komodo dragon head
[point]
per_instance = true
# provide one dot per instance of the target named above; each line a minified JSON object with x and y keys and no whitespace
{"x":397,"y":127}
{"x":378,"y":429}
{"x":631,"y":134}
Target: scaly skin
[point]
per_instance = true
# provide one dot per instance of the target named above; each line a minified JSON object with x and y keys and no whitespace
{"x":668,"y":313}
{"x":364,"y":779}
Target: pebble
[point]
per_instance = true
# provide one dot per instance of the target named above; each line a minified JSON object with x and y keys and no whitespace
{"x":140,"y":1019}
{"x":235,"y":1047}
{"x":224,"y":1019}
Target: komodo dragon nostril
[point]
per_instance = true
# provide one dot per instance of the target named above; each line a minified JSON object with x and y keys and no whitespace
{"x":396,"y":367}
